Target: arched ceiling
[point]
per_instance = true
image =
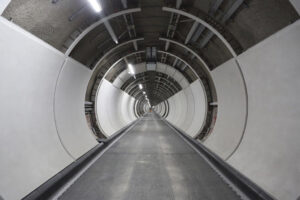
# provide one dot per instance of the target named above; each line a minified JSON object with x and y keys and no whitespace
{"x":125,"y":30}
{"x":246,"y":21}
{"x":133,"y":25}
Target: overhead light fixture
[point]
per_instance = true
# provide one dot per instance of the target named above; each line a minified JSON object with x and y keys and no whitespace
{"x":140,"y":86}
{"x":130,"y":69}
{"x":144,"y":92}
{"x":95,"y":5}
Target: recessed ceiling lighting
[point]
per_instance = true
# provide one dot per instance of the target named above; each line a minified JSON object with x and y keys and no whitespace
{"x":140,"y":86}
{"x":95,"y":5}
{"x":130,"y":69}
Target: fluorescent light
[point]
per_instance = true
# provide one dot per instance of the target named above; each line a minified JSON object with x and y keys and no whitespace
{"x":130,"y":69}
{"x":140,"y":86}
{"x":95,"y":5}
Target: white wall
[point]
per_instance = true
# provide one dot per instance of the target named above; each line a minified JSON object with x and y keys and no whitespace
{"x":161,"y":109}
{"x":114,"y":108}
{"x":183,"y":106}
{"x":30,"y":148}
{"x":231,"y":118}
{"x":69,"y":108}
{"x":269,"y":151}
{"x":3,"y":5}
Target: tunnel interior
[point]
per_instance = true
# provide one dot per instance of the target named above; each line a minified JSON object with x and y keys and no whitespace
{"x":93,"y":88}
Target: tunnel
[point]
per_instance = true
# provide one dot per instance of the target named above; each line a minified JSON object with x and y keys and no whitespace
{"x":149,"y":99}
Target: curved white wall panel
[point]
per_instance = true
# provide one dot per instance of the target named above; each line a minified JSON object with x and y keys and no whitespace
{"x":184,"y":83}
{"x":200,"y":106}
{"x":71,"y":123}
{"x":188,"y":108}
{"x":180,"y":108}
{"x":30,"y":149}
{"x":127,"y":109}
{"x":114,"y":108}
{"x":229,"y":126}
{"x":269,"y":152}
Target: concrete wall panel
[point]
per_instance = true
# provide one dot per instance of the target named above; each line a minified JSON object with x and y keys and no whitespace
{"x":114,"y":108}
{"x":190,"y":108}
{"x":269,"y":152}
{"x":231,"y":117}
{"x":3,"y":5}
{"x":71,"y":123}
{"x":182,"y":106}
{"x":30,"y":149}
{"x":200,"y":106}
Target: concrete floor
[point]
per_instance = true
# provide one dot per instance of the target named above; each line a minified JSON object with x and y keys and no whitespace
{"x":150,"y":162}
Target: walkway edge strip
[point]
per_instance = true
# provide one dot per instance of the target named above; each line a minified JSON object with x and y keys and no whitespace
{"x":238,"y":182}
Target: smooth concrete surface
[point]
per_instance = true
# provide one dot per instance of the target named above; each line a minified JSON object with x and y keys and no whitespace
{"x":231,"y":118}
{"x":183,"y":106}
{"x":42,"y":120}
{"x":71,"y":122}
{"x":200,"y":108}
{"x":178,"y":105}
{"x":114,"y":108}
{"x":269,"y":152}
{"x":30,"y":149}
{"x":3,"y":5}
{"x":149,"y":162}
{"x":161,"y":109}
{"x":296,"y":4}
{"x":127,"y":109}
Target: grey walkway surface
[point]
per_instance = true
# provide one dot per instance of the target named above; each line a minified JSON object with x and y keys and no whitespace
{"x":150,"y":162}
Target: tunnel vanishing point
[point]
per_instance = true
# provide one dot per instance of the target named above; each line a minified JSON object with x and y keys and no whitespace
{"x":149,"y":99}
